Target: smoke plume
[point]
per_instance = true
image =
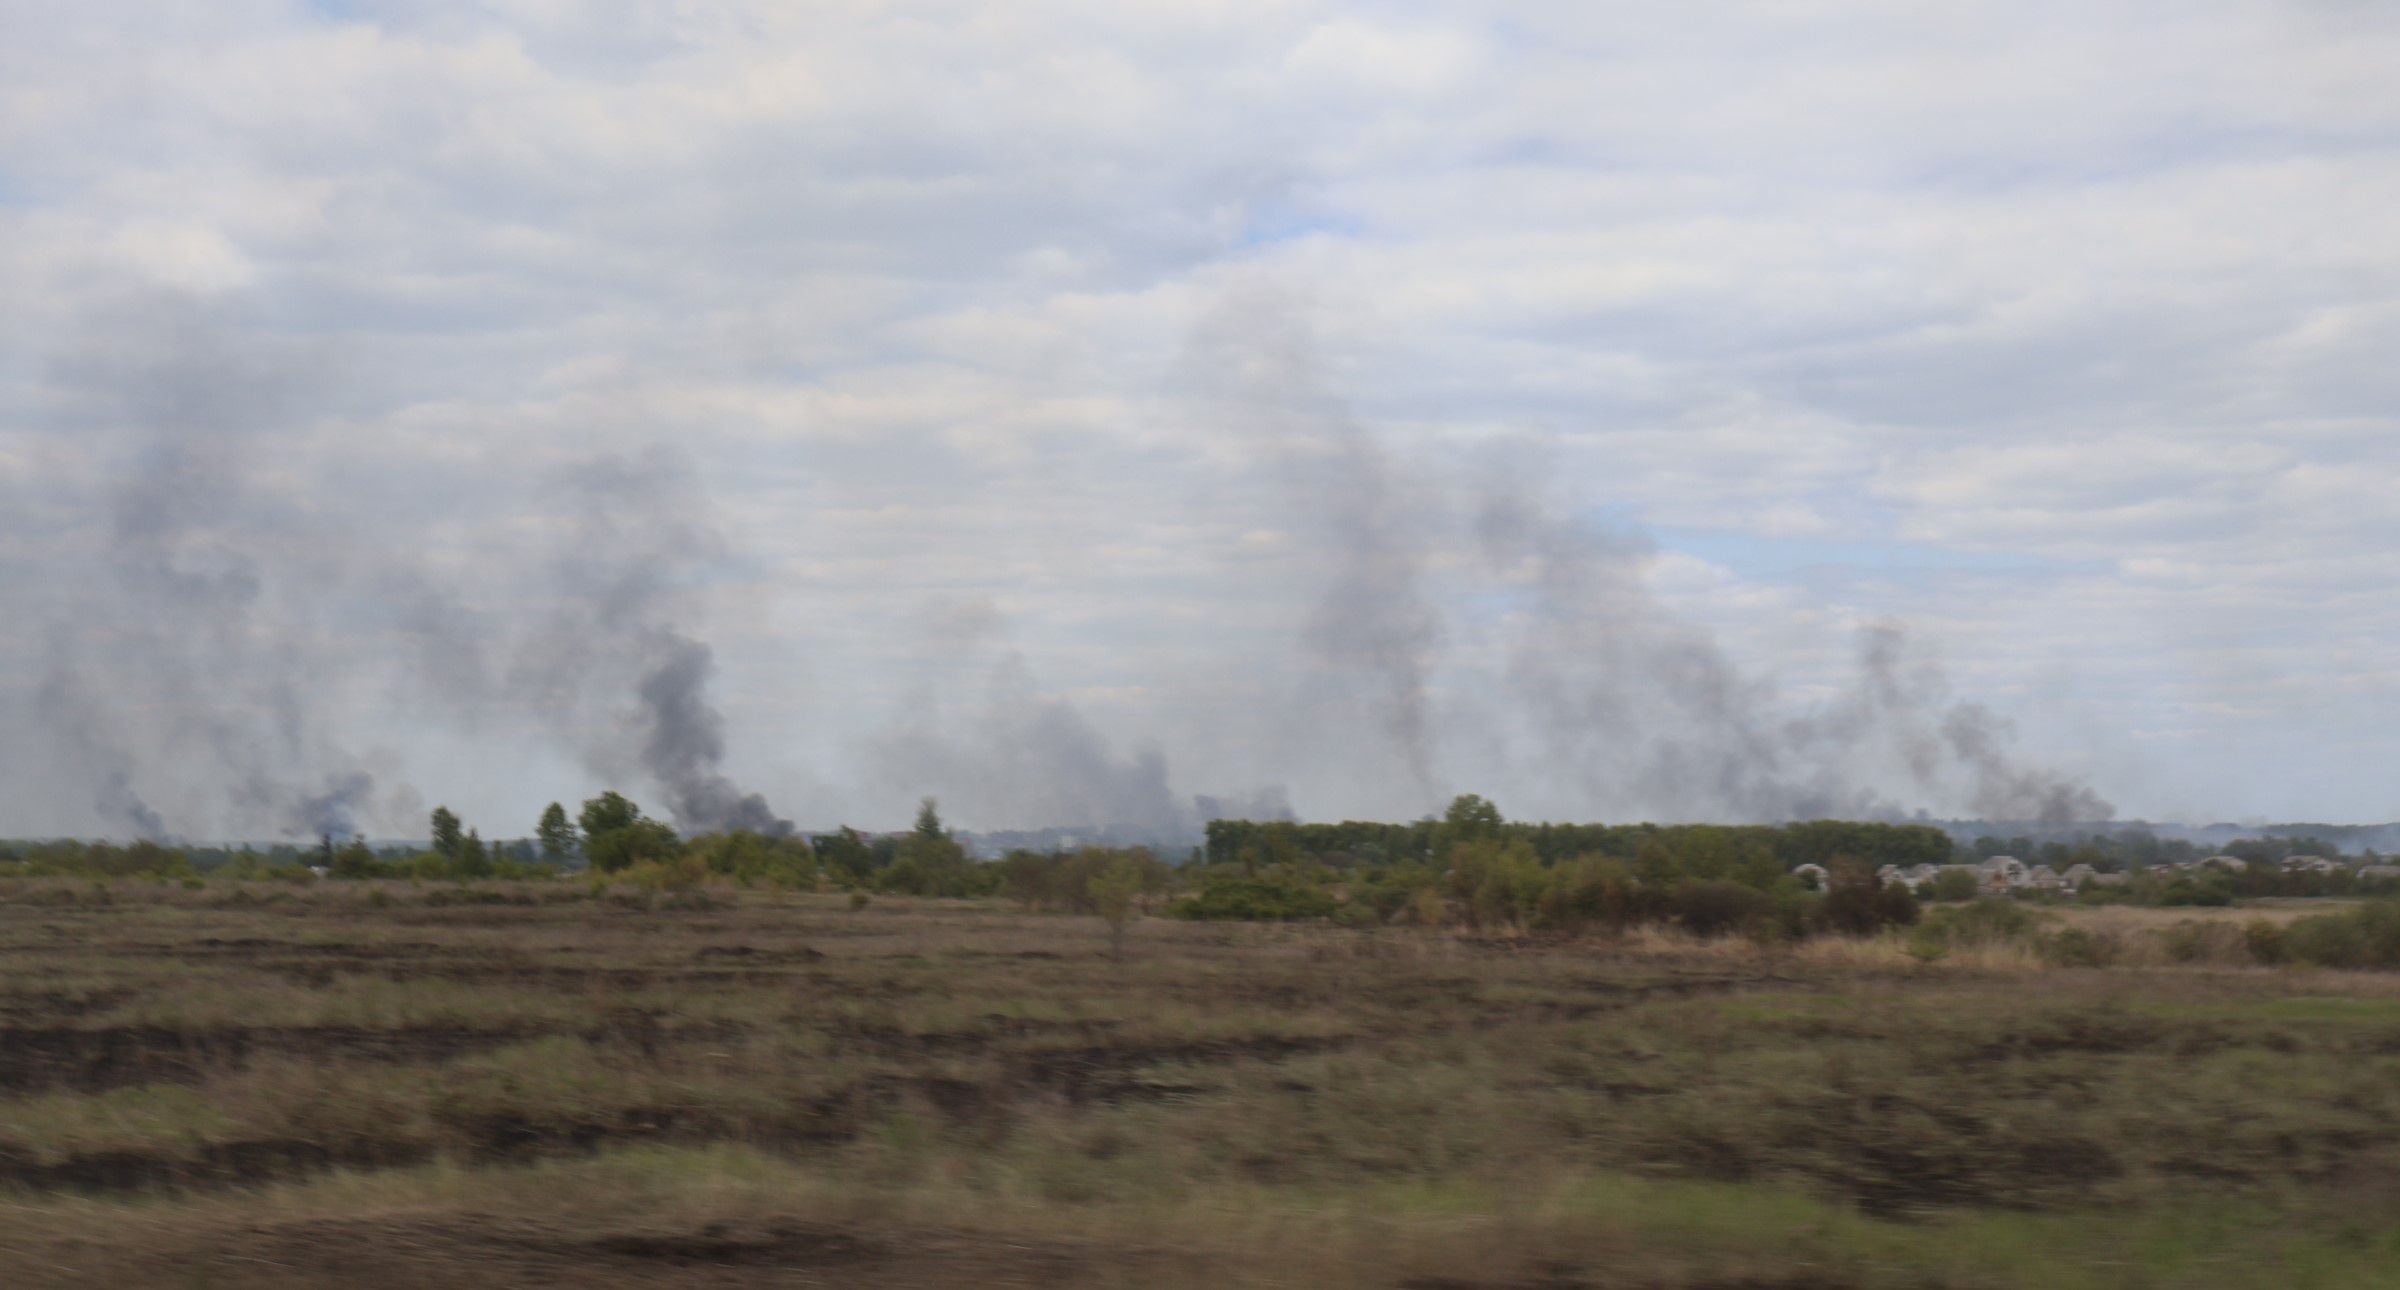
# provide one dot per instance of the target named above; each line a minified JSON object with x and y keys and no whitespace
{"x":199,"y":652}
{"x":611,"y":658}
{"x":205,"y":641}
{"x":1570,"y":679}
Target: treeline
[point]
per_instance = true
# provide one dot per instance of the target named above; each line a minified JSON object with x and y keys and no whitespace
{"x":1357,"y":844}
{"x":2175,"y":888}
{"x":612,"y":840}
{"x":1472,"y":868}
{"x":1469,"y":868}
{"x":1369,"y":844}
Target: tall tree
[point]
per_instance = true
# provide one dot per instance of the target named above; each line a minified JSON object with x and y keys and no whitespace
{"x":1471,"y":815}
{"x":447,"y":835}
{"x":474,"y":860}
{"x":607,"y":813}
{"x":930,"y":862}
{"x":557,"y":836}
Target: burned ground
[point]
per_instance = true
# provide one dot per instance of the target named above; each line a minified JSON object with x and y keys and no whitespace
{"x":393,"y":1085}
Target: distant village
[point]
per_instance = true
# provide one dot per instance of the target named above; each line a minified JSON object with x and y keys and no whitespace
{"x":2008,"y":874}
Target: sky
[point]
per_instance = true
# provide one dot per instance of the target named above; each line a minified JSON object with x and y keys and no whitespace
{"x":1073,"y":410}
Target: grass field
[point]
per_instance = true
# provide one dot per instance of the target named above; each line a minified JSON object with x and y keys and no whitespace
{"x":388,"y":1085}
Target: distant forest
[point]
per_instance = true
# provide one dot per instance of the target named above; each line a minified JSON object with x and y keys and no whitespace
{"x":1470,"y":866}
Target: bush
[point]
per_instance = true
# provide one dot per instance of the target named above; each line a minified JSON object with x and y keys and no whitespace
{"x":1857,"y":903}
{"x":2212,"y":891}
{"x":2264,"y":941}
{"x":2076,"y":947}
{"x":1720,"y":908}
{"x":1254,"y":900}
{"x":2365,"y":937}
{"x":1592,"y":892}
{"x":1978,"y":923}
{"x":2194,"y":941}
{"x":1952,"y":886}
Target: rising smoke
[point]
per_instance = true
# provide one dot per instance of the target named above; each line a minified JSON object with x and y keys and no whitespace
{"x":201,"y":644}
{"x":1452,"y":629}
{"x":1644,"y":712}
{"x":1604,"y":704}
{"x":1371,"y":632}
{"x":197,"y":665}
{"x":1007,"y":753}
{"x":611,"y":660}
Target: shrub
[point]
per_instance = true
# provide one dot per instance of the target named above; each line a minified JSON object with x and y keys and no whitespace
{"x":1254,"y":900}
{"x":1857,"y":903}
{"x":2194,"y":941}
{"x":1719,"y":908}
{"x":2365,"y":937}
{"x":1953,"y":885}
{"x":2264,"y":941}
{"x":2212,"y":891}
{"x":1978,"y":923}
{"x":2076,"y":947}
{"x":1592,"y":892}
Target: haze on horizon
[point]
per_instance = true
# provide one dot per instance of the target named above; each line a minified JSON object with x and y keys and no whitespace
{"x":1070,"y":410}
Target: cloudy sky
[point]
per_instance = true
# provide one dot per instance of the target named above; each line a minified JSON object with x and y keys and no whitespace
{"x":1065,"y":408}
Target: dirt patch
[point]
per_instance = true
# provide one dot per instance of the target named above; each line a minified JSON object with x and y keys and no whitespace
{"x":753,"y":954}
{"x":376,"y":1254}
{"x":1111,"y":1073}
{"x":780,"y":1244}
{"x":87,"y":1061}
{"x":219,"y":1165}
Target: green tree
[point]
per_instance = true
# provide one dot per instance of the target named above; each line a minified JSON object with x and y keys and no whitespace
{"x":930,"y":862}
{"x":1471,"y":816}
{"x":1497,"y":882}
{"x":616,"y":835}
{"x":845,"y":854}
{"x":558,"y":837}
{"x":473,"y":859}
{"x":929,"y":822}
{"x":356,"y":860}
{"x":446,"y":835}
{"x":1953,"y":884}
{"x":1857,"y":903}
{"x":606,"y":813}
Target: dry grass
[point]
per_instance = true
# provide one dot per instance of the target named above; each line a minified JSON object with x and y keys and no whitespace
{"x":396,"y":1085}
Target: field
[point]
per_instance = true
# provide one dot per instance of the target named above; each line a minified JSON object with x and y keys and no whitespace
{"x":394,"y":1085}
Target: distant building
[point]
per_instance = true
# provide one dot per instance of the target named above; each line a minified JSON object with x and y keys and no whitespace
{"x":2002,"y":873}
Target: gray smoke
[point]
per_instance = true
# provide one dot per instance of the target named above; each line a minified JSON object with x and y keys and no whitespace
{"x":225,"y":605}
{"x":1647,"y":713}
{"x":1010,"y":754}
{"x":117,"y":801}
{"x":196,"y":651}
{"x":685,"y":744}
{"x":1563,"y":669}
{"x":1271,"y":803}
{"x":1372,"y":629}
{"x":2006,"y":790}
{"x":611,"y":660}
